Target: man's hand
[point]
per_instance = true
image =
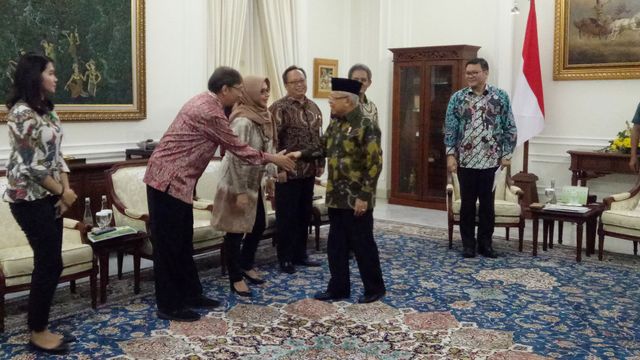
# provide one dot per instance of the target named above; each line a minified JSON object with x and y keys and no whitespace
{"x":282,"y":177}
{"x":360,"y":208}
{"x":294,"y":155}
{"x":319,"y":171}
{"x":283,"y":161}
{"x":504,"y":163}
{"x":242,"y":201}
{"x":68,"y":196}
{"x":452,"y":164}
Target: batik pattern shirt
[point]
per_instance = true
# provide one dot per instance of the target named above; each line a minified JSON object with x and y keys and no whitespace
{"x":34,"y":153}
{"x":190,"y":143}
{"x":369,"y":109}
{"x":352,"y":147}
{"x":479,"y":129}
{"x":299,"y":125}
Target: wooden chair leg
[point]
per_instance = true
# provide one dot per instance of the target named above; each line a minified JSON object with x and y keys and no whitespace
{"x":521,"y":236}
{"x":600,"y":243}
{"x":2,"y":311}
{"x":72,"y":286}
{"x":507,"y":233}
{"x":450,"y":228}
{"x":120,"y":260}
{"x":635,"y":248}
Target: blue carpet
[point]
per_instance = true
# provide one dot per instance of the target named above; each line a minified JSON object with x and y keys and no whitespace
{"x":438,"y":305}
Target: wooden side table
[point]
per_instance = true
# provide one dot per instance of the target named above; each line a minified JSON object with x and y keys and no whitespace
{"x":125,"y":243}
{"x":548,"y":217}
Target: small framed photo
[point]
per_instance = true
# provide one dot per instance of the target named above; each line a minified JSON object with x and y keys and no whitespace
{"x":323,"y":71}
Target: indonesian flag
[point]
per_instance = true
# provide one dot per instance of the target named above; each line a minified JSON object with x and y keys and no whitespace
{"x":528,"y":101}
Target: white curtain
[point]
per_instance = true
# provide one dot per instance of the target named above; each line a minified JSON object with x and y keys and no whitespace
{"x":278,"y":26}
{"x":227,"y":24}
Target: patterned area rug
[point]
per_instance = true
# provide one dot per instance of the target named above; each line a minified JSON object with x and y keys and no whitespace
{"x":438,"y":306}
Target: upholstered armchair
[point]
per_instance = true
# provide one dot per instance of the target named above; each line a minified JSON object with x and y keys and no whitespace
{"x":621,"y":218}
{"x":16,"y":256}
{"x":507,"y":201}
{"x":129,"y":198}
{"x":320,"y":212}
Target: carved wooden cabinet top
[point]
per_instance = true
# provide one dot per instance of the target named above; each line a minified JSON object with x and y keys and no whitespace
{"x":434,"y":52}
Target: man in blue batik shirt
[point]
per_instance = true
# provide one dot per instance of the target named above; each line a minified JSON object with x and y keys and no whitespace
{"x":480,"y":135}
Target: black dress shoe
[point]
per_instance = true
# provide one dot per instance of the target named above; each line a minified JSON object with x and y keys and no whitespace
{"x":62,"y":348}
{"x":328,"y":296}
{"x":468,"y":253}
{"x":254,"y":281}
{"x":365,"y":299}
{"x":241,"y":293}
{"x":488,"y":253}
{"x":202,"y":302}
{"x":68,"y":338}
{"x":307,"y":262}
{"x":182,"y":315}
{"x":287,"y":267}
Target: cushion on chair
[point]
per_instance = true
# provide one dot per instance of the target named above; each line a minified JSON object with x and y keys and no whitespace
{"x":73,"y":269}
{"x":18,"y":260}
{"x":502,"y":208}
{"x":629,"y":219}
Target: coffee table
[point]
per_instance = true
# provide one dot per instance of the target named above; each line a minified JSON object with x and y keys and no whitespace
{"x":590,"y":218}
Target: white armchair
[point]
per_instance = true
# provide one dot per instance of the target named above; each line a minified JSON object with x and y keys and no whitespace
{"x":129,"y":201}
{"x":16,"y":256}
{"x":621,"y":218}
{"x":507,"y":202}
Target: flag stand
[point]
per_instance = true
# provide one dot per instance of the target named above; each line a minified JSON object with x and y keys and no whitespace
{"x":527,"y":182}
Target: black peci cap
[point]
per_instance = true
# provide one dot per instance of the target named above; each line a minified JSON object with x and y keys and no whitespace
{"x":347,"y":85}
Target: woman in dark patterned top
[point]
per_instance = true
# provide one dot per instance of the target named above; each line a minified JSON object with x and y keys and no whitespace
{"x":38,"y":188}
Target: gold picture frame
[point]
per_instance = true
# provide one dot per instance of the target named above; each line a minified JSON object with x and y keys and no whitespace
{"x":323,"y":71}
{"x":100,"y":64}
{"x":596,"y":40}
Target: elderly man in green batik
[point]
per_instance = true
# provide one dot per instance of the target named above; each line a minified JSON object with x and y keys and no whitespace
{"x":352,"y":147}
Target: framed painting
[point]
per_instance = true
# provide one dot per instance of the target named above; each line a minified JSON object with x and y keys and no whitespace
{"x":596,"y":39}
{"x":323,"y":71}
{"x":98,"y":49}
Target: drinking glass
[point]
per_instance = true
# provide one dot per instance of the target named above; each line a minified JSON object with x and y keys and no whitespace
{"x":103,"y":218}
{"x":550,"y":193}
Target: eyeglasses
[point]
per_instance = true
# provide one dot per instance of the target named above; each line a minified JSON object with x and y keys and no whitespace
{"x":334,"y":98}
{"x":297,"y":82}
{"x":472,"y":73}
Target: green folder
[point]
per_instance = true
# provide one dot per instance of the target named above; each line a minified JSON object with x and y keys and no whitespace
{"x":119,"y":231}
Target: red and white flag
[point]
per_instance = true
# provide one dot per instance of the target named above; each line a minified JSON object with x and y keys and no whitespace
{"x":528,"y":101}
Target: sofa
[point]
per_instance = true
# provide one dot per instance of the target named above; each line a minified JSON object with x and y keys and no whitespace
{"x":16,"y":256}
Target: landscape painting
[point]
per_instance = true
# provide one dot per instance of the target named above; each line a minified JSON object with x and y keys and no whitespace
{"x":597,"y":39}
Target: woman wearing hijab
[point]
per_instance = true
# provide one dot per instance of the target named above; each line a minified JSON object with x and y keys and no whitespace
{"x":238,"y":207}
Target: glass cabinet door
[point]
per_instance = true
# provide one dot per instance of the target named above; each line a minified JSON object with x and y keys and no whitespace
{"x":440,"y":90}
{"x":410,"y":122}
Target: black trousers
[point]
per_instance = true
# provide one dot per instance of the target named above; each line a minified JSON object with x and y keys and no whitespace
{"x":476,"y":184}
{"x":176,"y":276}
{"x":294,"y":204}
{"x":44,"y":232}
{"x":348,"y":231}
{"x":242,"y":259}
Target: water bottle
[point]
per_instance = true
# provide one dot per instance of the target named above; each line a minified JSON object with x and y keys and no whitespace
{"x":104,"y":203}
{"x":88,"y":217}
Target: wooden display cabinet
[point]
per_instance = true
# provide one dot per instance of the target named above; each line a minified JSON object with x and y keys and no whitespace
{"x":424,"y":78}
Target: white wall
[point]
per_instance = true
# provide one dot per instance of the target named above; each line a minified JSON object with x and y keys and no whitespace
{"x":176,"y":70}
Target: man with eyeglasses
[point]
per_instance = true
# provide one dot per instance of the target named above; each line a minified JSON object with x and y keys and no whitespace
{"x":172,"y":172}
{"x":480,"y":136}
{"x":352,"y":146}
{"x":299,"y":124}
